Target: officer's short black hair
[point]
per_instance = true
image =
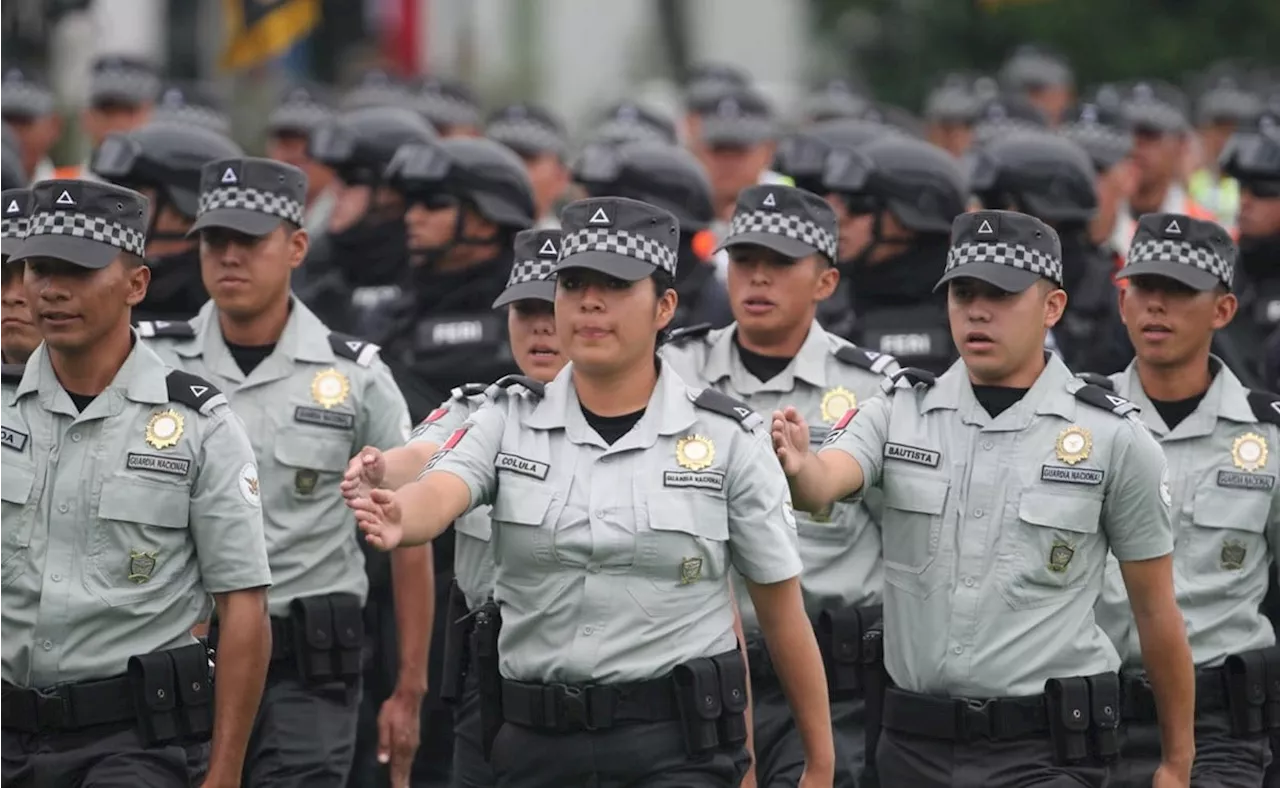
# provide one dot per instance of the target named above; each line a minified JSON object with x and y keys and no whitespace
{"x":131,"y":261}
{"x":662,"y":281}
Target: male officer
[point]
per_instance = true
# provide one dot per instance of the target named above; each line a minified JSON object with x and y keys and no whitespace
{"x":29,"y":110}
{"x":539,"y":139}
{"x":735,"y":132}
{"x":1217,"y":436}
{"x":628,"y":121}
{"x":130,"y":495}
{"x":1101,"y":133}
{"x":1005,"y":481}
{"x":782,"y":252}
{"x":448,"y":105}
{"x":194,"y":104}
{"x":122,"y":93}
{"x":311,"y":399}
{"x":301,"y":109}
{"x":18,"y":334}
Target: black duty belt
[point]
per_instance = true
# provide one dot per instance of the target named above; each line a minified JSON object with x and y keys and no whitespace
{"x":67,"y":707}
{"x":964,"y":720}
{"x":1138,"y":701}
{"x":567,"y":708}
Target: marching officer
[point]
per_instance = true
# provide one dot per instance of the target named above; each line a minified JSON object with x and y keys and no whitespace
{"x":529,"y":299}
{"x":782,"y":252}
{"x":311,"y":399}
{"x":300,"y":110}
{"x":18,"y":334}
{"x":1216,"y":434}
{"x":621,"y":498}
{"x":1005,"y":482}
{"x":130,"y":498}
{"x":895,"y":198}
{"x":539,"y":139}
{"x":1100,"y":132}
{"x":122,"y":95}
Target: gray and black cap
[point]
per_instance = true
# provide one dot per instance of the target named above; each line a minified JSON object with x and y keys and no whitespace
{"x":15,"y":216}
{"x":192,"y":104}
{"x":627,"y":121}
{"x":119,"y":79}
{"x":533,"y":273}
{"x":1101,"y":131}
{"x":23,"y":95}
{"x":446,"y":103}
{"x":527,"y":129}
{"x":1197,"y":253}
{"x":790,"y":221}
{"x":84,"y":222}
{"x":1007,"y":249}
{"x":623,"y":238}
{"x":250,"y":195}
{"x":736,"y":117}
{"x":302,"y":107}
{"x":1151,"y":106}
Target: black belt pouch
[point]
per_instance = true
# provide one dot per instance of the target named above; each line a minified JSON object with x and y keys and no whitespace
{"x":1104,"y":703}
{"x":457,"y":631}
{"x":733,"y":698}
{"x":152,"y":681}
{"x":195,"y":692}
{"x":313,"y":638}
{"x":348,"y":636}
{"x":1246,"y":692}
{"x":698,"y":698}
{"x":1069,"y":714}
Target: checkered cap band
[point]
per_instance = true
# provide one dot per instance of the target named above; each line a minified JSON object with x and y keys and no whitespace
{"x":794,"y":227}
{"x":989,"y":130}
{"x":126,"y":81}
{"x":525,"y":133}
{"x":620,"y":242}
{"x":535,"y":270}
{"x":14,"y":228}
{"x":193,"y":115}
{"x":446,"y":109}
{"x":1169,"y":251}
{"x":92,"y":228}
{"x":629,"y":131}
{"x":248,"y":199}
{"x":1012,"y":255}
{"x":1094,"y":135}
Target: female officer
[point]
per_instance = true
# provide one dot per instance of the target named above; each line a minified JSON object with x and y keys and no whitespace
{"x":620,"y":498}
{"x":530,"y":297}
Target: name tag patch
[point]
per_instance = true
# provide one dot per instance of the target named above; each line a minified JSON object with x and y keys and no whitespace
{"x":706,"y":480}
{"x":174,"y":466}
{"x":12,"y":439}
{"x":325,"y":418}
{"x":510,"y":462}
{"x":1246,"y":481}
{"x":899,"y":451}
{"x":1059,"y":473}
{"x":818,"y":435}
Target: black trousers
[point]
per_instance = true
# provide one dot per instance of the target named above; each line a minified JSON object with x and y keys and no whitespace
{"x":919,"y":762}
{"x":644,"y":755}
{"x":470,"y":769}
{"x":780,"y":751}
{"x":303,"y":737}
{"x":103,"y":757}
{"x":1222,"y":761}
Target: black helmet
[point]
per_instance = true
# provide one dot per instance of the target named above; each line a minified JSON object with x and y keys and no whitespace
{"x":802,"y":156}
{"x":667,"y":176}
{"x":921,"y":185}
{"x":14,"y":176}
{"x":1037,"y":173}
{"x":1253,"y":156}
{"x":358,"y":144}
{"x":482,"y":172}
{"x":166,"y":156}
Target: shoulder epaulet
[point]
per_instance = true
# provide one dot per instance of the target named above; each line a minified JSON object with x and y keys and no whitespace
{"x":469,"y":390}
{"x":12,"y":373}
{"x":1266,"y":406}
{"x":1095,"y":379}
{"x":353,"y":348}
{"x":1100,"y":397}
{"x":533,"y":385}
{"x":688,"y":332}
{"x":192,"y":390}
{"x":166,"y":329}
{"x":867,"y":359}
{"x":716,"y":402}
{"x":914,"y":377}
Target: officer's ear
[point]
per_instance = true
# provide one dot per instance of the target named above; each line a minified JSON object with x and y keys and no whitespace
{"x":1224,"y":307}
{"x":665,"y":309}
{"x":828,"y":278}
{"x":137,"y":276}
{"x":299,"y":242}
{"x":1055,"y":302}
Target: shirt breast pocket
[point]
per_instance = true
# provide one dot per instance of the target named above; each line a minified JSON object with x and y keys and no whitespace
{"x":682,"y":550}
{"x":140,"y":545}
{"x":1227,"y":541}
{"x":311,"y":466}
{"x":521,"y":527}
{"x":16,"y":485}
{"x":911,"y":530}
{"x":1048,"y":549}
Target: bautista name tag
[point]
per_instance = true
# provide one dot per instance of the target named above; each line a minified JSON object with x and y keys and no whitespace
{"x":174,"y":466}
{"x":899,"y":451}
{"x":1246,"y":481}
{"x":12,"y":439}
{"x":706,"y":480}
{"x":1059,"y":473}
{"x":510,"y":462}
{"x":320,"y":417}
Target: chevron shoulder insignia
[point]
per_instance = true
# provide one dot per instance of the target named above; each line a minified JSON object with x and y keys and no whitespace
{"x":869,"y":360}
{"x":687,"y":333}
{"x":353,"y":348}
{"x":1100,"y":397}
{"x":193,"y":391}
{"x":166,"y":329}
{"x":716,"y":402}
{"x":914,"y":376}
{"x":1095,"y":379}
{"x":1266,"y":406}
{"x":536,"y":387}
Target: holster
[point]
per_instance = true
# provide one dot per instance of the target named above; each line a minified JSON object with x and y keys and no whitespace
{"x":484,"y":649}
{"x":1271,"y":709}
{"x":328,"y":634}
{"x":732,"y":727}
{"x":163,"y":683}
{"x":1069,"y":713}
{"x":697,"y":686}
{"x":453,"y":671}
{"x":1104,"y":705}
{"x":839,"y":633}
{"x":876,"y":680}
{"x":1246,"y":678}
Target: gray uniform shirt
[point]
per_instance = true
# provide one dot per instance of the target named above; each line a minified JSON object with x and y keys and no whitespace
{"x":612,"y":562}
{"x":472,"y":558}
{"x":1222,"y":472}
{"x":996,"y":530}
{"x":119,"y":521}
{"x":308,"y":411}
{"x":840,"y":548}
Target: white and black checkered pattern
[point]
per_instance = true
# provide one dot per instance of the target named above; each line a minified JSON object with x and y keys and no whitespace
{"x":446,"y":109}
{"x":1012,"y":255}
{"x":524,"y":133}
{"x":128,"y":82}
{"x":193,"y":115}
{"x":247,"y":199}
{"x":15,"y":228}
{"x":796,"y":228}
{"x":92,"y":228}
{"x":535,"y":270}
{"x":1095,"y":136}
{"x":1169,"y":251}
{"x":620,"y":242}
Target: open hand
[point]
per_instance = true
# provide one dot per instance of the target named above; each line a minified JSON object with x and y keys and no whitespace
{"x":790,"y":439}
{"x":365,"y":472}
{"x":378,"y":515}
